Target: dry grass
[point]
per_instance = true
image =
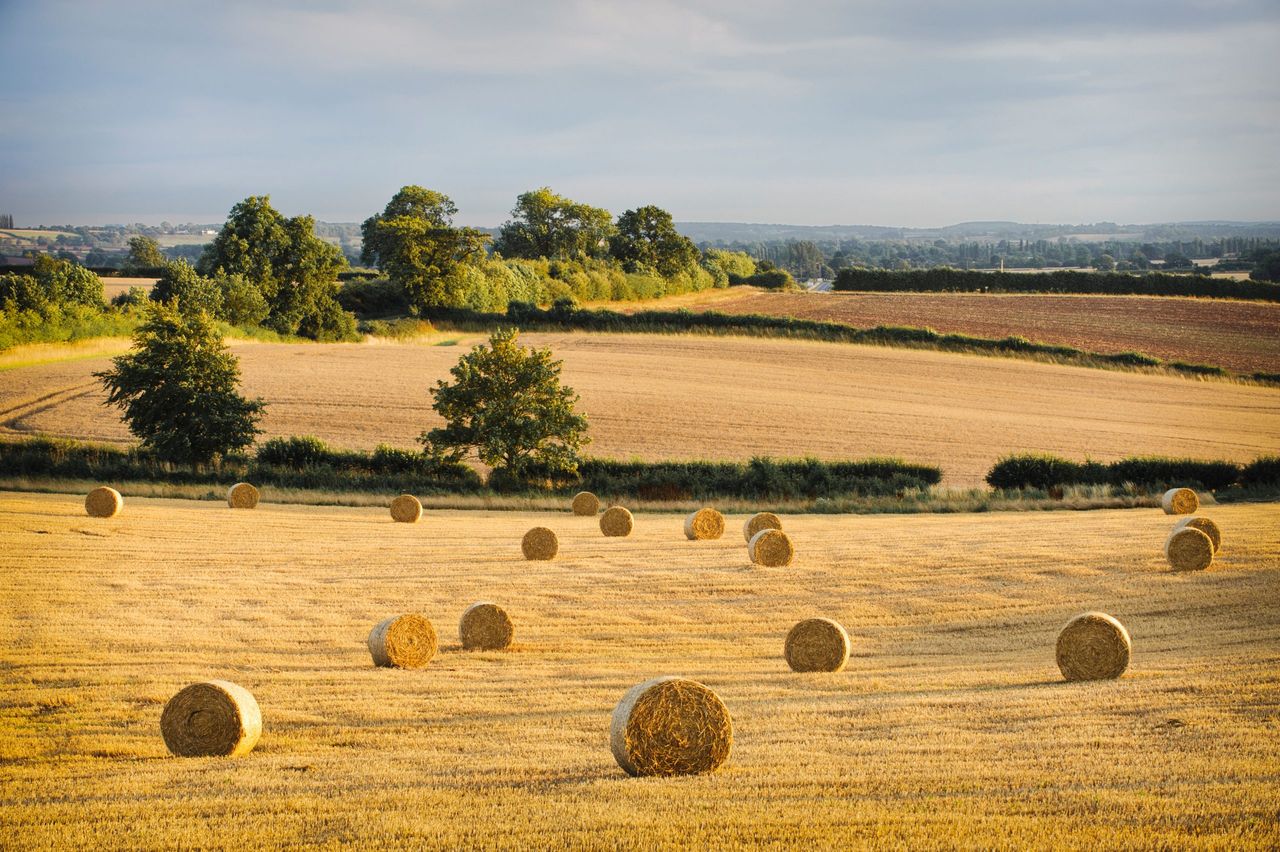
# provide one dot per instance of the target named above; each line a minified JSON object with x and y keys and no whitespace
{"x":115,"y":286}
{"x":950,"y":726}
{"x":646,"y":394}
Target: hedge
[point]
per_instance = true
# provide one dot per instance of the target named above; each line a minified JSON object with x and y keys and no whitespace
{"x":1152,"y":472}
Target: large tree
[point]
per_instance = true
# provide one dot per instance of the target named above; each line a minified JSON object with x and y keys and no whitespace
{"x":544,"y":224}
{"x":507,"y":406}
{"x":144,"y":255}
{"x":177,"y":389}
{"x":647,"y":238}
{"x":414,"y":242}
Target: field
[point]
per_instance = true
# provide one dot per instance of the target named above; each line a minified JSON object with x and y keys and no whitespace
{"x":1236,"y":335}
{"x":662,"y":397}
{"x":115,"y":286}
{"x":951,"y":725}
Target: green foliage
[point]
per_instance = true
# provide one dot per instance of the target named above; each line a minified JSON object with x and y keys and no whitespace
{"x":53,"y":283}
{"x":296,"y":451}
{"x":177,"y":389}
{"x":1152,"y":472}
{"x":1266,"y":266}
{"x":546,"y":225}
{"x":180,"y":283}
{"x":144,"y":256}
{"x":414,"y":242}
{"x":736,"y":265}
{"x":242,"y":301}
{"x":373,"y":297}
{"x":63,"y":325}
{"x":1264,"y":470}
{"x":647,"y":239}
{"x":507,"y":406}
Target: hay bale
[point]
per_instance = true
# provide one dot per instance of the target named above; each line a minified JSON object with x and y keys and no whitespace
{"x":212,"y":719}
{"x":586,"y":503}
{"x":1188,"y":549}
{"x":817,"y":645}
{"x":1093,"y":646}
{"x":406,"y":509}
{"x":760,"y":521}
{"x":704,"y":525}
{"x":1180,"y":501}
{"x":403,"y":641}
{"x":103,"y":502}
{"x":540,"y":543}
{"x":485,"y":627}
{"x":771,"y":548}
{"x":1206,"y":526}
{"x":242,"y":495}
{"x":670,"y":726}
{"x":616,"y":521}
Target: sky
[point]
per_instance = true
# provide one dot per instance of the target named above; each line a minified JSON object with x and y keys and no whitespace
{"x":883,"y":112}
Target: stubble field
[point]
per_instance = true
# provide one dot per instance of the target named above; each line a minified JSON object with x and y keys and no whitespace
{"x":951,"y":725}
{"x":659,"y":397}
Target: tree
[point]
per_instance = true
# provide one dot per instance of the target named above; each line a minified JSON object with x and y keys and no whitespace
{"x":1266,"y":265}
{"x":414,"y":242}
{"x":507,"y":405}
{"x":53,"y":283}
{"x":1105,"y":263}
{"x":191,"y":293}
{"x":177,"y":389}
{"x":647,"y":239}
{"x":144,"y":255}
{"x":548,"y":225}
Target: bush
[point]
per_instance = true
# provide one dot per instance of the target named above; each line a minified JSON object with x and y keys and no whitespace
{"x":1042,"y":472}
{"x":377,"y":297}
{"x":298,"y":452}
{"x":1261,"y":471}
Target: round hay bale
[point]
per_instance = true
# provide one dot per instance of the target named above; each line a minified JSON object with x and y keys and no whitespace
{"x":1180,"y":501}
{"x":586,"y":503}
{"x":616,"y":521}
{"x":403,"y":642}
{"x":704,"y":525}
{"x":485,"y":627}
{"x":540,"y":543}
{"x":771,"y":548}
{"x":242,"y":495}
{"x":406,"y":509}
{"x":1093,"y":646}
{"x":670,"y":726}
{"x":1189,"y":549}
{"x":1206,"y":526}
{"x":103,"y":502}
{"x":212,"y":719}
{"x":760,"y":521}
{"x":817,"y":645}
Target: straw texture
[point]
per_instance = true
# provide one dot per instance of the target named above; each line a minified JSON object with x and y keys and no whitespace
{"x":586,"y":503}
{"x":103,"y":502}
{"x":406,"y":509}
{"x":616,"y":521}
{"x":485,"y":627}
{"x":212,"y":719}
{"x":540,"y":543}
{"x":771,"y":548}
{"x":1206,"y":526}
{"x":1188,"y":549}
{"x":1093,"y":646}
{"x":704,"y":525}
{"x":403,"y":642}
{"x":1179,"y":501}
{"x":242,"y":495}
{"x":670,"y":726}
{"x":760,"y":521}
{"x":817,"y":645}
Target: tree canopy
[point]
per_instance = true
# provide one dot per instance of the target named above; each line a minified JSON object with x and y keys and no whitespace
{"x":544,"y":224}
{"x":647,"y":239}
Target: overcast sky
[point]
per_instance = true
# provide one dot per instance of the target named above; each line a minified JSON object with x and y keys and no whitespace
{"x":893,"y":113}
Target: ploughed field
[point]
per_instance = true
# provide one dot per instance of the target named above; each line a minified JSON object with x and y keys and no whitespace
{"x":951,"y":724}
{"x":660,"y":397}
{"x":1238,"y":335}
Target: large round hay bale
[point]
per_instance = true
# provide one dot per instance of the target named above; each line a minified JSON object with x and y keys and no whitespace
{"x":1179,"y":501}
{"x":1188,"y":549}
{"x":817,"y":645}
{"x":670,"y":726}
{"x":406,"y":509}
{"x":403,"y":641}
{"x":771,"y":548}
{"x":616,"y":521}
{"x":103,"y":502}
{"x":760,"y":521}
{"x":1206,"y":526}
{"x":586,"y":503}
{"x":212,"y":719}
{"x":242,"y":495}
{"x":485,"y":627}
{"x":1093,"y":646}
{"x":540,"y":543}
{"x":704,"y":525}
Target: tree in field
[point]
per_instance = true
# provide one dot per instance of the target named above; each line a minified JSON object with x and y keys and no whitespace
{"x":177,"y":389}
{"x":544,"y":224}
{"x":144,"y":255}
{"x":1266,"y":266}
{"x":506,"y":404}
{"x":414,"y":242}
{"x":647,"y":239}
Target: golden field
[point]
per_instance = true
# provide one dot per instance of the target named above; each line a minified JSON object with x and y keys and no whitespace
{"x":659,"y":397}
{"x":950,"y":727}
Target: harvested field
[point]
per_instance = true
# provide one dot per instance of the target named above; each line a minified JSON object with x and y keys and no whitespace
{"x":1237,"y":335}
{"x":646,"y":395}
{"x":950,"y":725}
{"x":113,"y":287}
